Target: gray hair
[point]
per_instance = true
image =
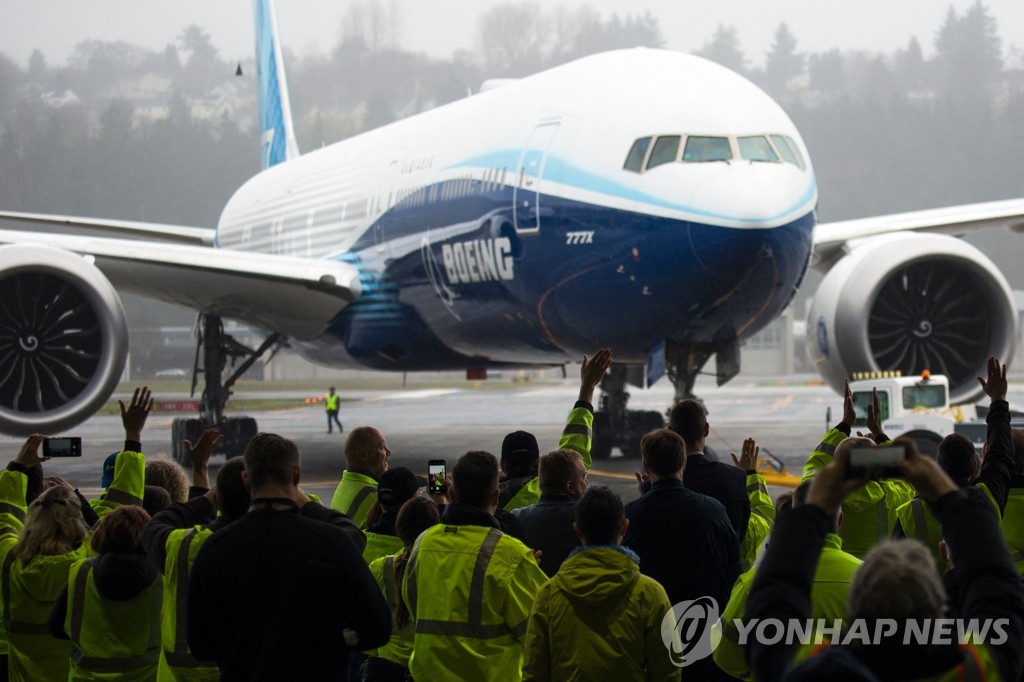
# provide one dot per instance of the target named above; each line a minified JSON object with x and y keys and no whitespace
{"x":898,"y":580}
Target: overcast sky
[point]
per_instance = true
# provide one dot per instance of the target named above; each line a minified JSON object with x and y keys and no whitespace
{"x":439,"y":27}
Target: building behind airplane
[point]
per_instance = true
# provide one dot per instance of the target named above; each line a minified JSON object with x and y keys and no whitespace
{"x":645,"y":200}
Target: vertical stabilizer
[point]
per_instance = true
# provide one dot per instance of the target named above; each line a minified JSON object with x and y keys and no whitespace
{"x":277,"y":137}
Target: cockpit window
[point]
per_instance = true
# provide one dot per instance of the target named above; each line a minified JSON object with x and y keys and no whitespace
{"x":756,"y":148}
{"x":703,"y":148}
{"x":635,"y":159}
{"x":796,"y":152}
{"x":666,"y":149}
{"x":787,"y":148}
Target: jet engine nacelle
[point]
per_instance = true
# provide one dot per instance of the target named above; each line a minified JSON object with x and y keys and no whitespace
{"x":912,"y":302}
{"x":63,"y":339}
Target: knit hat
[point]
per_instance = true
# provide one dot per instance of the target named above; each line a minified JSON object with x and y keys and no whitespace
{"x":398,"y":485}
{"x":520,"y":448}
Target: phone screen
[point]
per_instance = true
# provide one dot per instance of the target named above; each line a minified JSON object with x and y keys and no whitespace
{"x":876,"y":463}
{"x":436,"y":476}
{"x":62,"y":447}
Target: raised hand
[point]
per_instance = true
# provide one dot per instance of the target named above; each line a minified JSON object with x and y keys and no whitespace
{"x":29,"y":456}
{"x":200,"y":453}
{"x":995,"y":386}
{"x":875,"y":414}
{"x":849,"y":413}
{"x":134,"y":416}
{"x":748,"y":459}
{"x":592,"y":371}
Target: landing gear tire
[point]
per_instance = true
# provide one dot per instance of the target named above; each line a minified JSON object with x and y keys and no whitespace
{"x":927,"y":442}
{"x":184,"y":429}
{"x":237,"y":432}
{"x":603,"y":438}
{"x":640,"y":424}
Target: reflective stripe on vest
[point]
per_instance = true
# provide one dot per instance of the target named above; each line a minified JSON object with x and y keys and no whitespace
{"x":358,"y":500}
{"x":757,"y":486}
{"x":16,"y":626}
{"x":826,"y":447}
{"x":881,"y":520}
{"x":150,"y":657}
{"x":121,"y":497}
{"x":577,"y":430}
{"x":971,"y":670}
{"x":474,"y":628}
{"x":180,"y":656}
{"x":389,"y":580}
{"x":917,"y":512}
{"x":13,"y":510}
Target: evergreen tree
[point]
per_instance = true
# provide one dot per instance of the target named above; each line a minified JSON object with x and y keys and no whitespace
{"x":724,"y":48}
{"x":784,"y":63}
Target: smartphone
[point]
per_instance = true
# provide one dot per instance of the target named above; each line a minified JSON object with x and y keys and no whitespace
{"x":436,"y":476}
{"x":876,"y":463}
{"x":62,"y":447}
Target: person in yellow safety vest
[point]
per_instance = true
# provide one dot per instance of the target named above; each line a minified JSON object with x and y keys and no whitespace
{"x":1012,"y":523}
{"x":869,"y":514}
{"x":366,"y":459}
{"x":172,"y":540}
{"x":397,"y":486}
{"x":829,"y":590}
{"x":599,"y":617}
{"x":391,"y":661}
{"x":110,"y":607}
{"x":34,"y":569}
{"x":469,"y":587}
{"x":520,"y":453}
{"x":762,"y":509}
{"x":331,"y":403}
{"x":958,"y":457}
{"x":896,"y":602}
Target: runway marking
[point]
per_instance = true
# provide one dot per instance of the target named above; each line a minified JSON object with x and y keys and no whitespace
{"x":608,"y":474}
{"x":782,"y":403}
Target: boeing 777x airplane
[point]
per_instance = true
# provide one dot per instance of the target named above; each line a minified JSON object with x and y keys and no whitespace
{"x":645,"y":200}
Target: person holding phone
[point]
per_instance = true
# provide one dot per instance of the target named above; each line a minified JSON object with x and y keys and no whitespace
{"x":869,"y":514}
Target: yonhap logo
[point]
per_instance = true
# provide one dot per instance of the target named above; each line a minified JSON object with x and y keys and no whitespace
{"x":688,"y":630}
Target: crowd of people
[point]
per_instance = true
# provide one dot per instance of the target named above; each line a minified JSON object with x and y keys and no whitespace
{"x":520,"y":569}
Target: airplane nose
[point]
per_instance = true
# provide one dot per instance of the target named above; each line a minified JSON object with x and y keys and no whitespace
{"x":752,"y":194}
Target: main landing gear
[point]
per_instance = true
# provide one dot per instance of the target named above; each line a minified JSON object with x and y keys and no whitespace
{"x":617,"y":426}
{"x":213,"y":349}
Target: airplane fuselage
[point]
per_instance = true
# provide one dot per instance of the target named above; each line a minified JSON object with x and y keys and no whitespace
{"x":619,"y":200}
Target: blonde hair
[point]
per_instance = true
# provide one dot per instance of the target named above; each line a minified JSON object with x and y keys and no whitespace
{"x":170,"y":476}
{"x":54,"y":526}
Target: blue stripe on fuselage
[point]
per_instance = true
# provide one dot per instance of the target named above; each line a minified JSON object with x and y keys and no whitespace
{"x":563,"y":172}
{"x":639,"y":280}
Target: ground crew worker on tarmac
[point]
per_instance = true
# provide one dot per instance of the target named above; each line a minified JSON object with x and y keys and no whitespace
{"x":366,"y":459}
{"x":958,"y":457}
{"x":331,"y":403}
{"x":869,"y":514}
{"x":469,"y":587}
{"x":520,"y":454}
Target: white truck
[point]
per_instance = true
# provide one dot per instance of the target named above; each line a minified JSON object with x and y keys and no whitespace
{"x":918,"y":407}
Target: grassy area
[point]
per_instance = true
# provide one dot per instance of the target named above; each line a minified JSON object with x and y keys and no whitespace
{"x":313,"y":388}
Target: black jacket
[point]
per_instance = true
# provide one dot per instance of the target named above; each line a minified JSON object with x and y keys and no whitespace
{"x":782,"y":590}
{"x":547,"y":526}
{"x":276,"y":595}
{"x":684,"y":541}
{"x":724,"y":482}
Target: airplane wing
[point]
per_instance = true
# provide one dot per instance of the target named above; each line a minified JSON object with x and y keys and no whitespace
{"x":177,"y":233}
{"x":831,"y":239}
{"x":293,"y":296}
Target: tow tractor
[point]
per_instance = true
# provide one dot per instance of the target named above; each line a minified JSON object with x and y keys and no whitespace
{"x":918,"y":407}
